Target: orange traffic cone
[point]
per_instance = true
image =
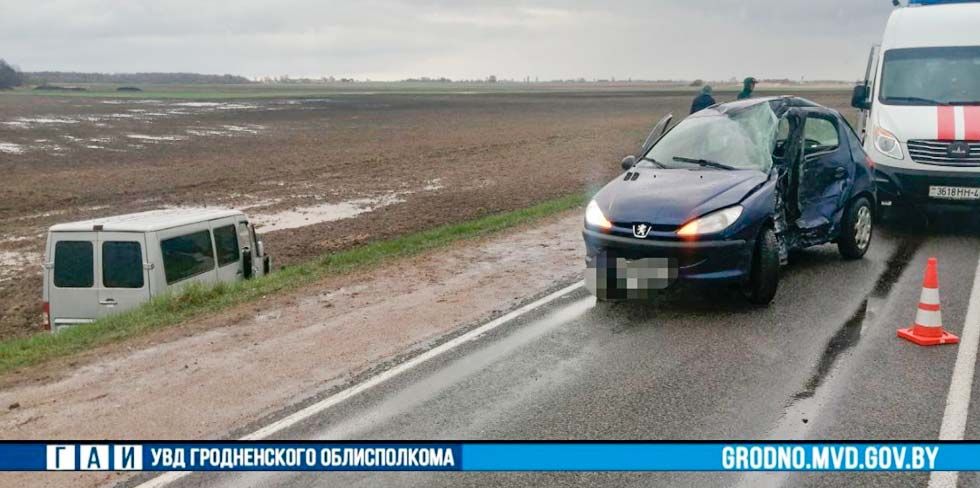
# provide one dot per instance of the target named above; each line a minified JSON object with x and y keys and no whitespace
{"x":928,"y":327}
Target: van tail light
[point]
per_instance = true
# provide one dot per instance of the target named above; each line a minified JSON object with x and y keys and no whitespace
{"x":46,"y":309}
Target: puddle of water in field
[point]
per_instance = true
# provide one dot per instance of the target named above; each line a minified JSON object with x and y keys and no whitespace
{"x":197,"y":104}
{"x":144,"y":137}
{"x":11,"y":148}
{"x":329,"y":212}
{"x":206,"y":132}
{"x":44,"y":120}
{"x":253,"y":129}
{"x":216,"y":105}
{"x":11,"y":262}
{"x":326,"y":212}
{"x":154,"y":110}
{"x":19,"y":238}
{"x":126,"y":102}
{"x":51,"y":213}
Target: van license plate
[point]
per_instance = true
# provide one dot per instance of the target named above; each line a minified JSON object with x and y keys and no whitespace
{"x":954,"y":192}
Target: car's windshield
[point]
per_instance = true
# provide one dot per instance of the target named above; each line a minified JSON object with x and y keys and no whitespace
{"x":739,"y":139}
{"x":931,"y":76}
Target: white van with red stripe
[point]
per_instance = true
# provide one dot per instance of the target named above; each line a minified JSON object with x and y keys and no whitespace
{"x":921,"y":107}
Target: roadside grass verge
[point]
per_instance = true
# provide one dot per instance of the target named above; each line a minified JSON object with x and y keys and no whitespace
{"x":196,"y":301}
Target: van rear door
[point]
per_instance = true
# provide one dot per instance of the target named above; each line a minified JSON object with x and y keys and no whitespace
{"x":72,"y":270}
{"x":125,"y":280}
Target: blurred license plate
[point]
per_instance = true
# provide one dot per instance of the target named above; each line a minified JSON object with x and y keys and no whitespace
{"x":645,"y":274}
{"x":954,"y":192}
{"x":617,"y":278}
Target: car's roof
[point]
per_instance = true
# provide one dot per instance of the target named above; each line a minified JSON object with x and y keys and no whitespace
{"x":784,"y":100}
{"x":150,"y":221}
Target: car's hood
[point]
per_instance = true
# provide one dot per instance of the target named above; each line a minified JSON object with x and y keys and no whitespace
{"x":674,"y":196}
{"x":919,"y":122}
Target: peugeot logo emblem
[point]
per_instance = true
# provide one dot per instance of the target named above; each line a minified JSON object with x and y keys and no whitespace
{"x":958,"y":150}
{"x":641,"y":230}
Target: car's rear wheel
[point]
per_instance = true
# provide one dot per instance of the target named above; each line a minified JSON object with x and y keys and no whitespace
{"x":763,"y":280}
{"x":857,"y":227}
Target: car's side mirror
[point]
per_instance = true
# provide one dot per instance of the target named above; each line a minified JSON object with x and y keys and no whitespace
{"x":859,"y":98}
{"x":629,"y":162}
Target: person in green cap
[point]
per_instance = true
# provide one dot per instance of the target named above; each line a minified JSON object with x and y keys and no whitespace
{"x":747,"y":87}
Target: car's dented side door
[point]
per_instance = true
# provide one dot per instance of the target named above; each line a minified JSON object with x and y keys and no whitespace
{"x":825,"y":172}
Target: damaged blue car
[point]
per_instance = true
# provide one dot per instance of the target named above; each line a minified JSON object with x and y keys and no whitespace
{"x":725,"y":196}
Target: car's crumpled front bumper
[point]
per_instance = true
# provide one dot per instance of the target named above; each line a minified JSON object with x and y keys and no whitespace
{"x":633,"y":267}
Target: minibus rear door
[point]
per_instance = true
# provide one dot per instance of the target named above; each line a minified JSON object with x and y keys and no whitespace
{"x":72,"y":271}
{"x":125,"y":280}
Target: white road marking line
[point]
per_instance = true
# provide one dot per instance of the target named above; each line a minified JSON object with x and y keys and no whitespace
{"x":334,"y":399}
{"x":958,"y":399}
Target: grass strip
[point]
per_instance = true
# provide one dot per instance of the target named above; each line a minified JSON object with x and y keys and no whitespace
{"x":196,"y":300}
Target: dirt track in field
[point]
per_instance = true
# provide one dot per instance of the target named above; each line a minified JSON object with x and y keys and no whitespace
{"x":327,"y":173}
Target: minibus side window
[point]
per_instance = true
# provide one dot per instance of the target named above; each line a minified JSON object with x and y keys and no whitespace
{"x":226,"y":241}
{"x":187,"y":255}
{"x":122,"y":264}
{"x":73,"y":264}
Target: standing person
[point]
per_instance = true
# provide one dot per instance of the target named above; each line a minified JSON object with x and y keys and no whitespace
{"x":703,"y":100}
{"x":747,"y":87}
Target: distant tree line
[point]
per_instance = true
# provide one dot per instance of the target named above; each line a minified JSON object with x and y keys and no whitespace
{"x":426,"y":79}
{"x":46,"y":77}
{"x":287,"y":80}
{"x":9,"y":76}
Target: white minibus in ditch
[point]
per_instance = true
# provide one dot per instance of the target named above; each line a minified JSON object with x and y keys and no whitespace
{"x":97,"y":267}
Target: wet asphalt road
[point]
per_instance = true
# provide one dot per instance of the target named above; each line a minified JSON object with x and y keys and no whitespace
{"x":822,"y":362}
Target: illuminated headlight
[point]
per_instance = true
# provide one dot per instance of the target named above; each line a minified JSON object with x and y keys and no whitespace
{"x":886,"y":143}
{"x":594,"y":217}
{"x":711,"y":223}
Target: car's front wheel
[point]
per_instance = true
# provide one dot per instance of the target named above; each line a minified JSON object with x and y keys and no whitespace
{"x":763,"y":280}
{"x":857,"y":227}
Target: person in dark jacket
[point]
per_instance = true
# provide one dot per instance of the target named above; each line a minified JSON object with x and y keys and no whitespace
{"x":748,"y":85}
{"x":703,"y":100}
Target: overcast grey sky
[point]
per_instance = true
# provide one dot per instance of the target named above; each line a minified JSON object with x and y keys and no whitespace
{"x":395,"y":39}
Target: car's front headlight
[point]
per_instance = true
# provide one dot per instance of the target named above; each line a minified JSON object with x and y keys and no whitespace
{"x":711,"y":223}
{"x":886,"y":143}
{"x":594,"y":217}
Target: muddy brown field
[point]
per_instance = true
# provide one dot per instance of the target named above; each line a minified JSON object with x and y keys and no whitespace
{"x":318,"y":174}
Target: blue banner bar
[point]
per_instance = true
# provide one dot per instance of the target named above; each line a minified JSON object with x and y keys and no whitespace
{"x":719,"y":457}
{"x":489,"y":456}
